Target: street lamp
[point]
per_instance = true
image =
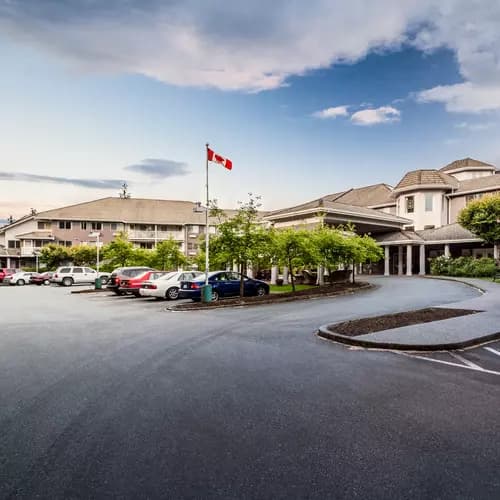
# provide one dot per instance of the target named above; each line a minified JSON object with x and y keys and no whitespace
{"x":36,"y":253}
{"x":97,"y":236}
{"x":199,"y":208}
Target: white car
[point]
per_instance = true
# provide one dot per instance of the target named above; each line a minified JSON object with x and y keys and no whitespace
{"x":76,"y":275}
{"x":21,"y":278}
{"x":167,"y":287}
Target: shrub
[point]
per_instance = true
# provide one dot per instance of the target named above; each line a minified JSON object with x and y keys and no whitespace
{"x":463,"y":267}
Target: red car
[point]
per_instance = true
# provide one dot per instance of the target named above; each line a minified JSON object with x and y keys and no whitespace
{"x":6,"y":272}
{"x":133,"y":285}
{"x":41,"y":279}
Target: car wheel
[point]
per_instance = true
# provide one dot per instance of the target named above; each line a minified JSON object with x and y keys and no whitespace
{"x":172,"y":293}
{"x":46,"y":282}
{"x":215,"y":296}
{"x":67,"y":281}
{"x":136,"y":294}
{"x":20,"y":283}
{"x":260,"y":291}
{"x":117,"y":292}
{"x":104,"y":280}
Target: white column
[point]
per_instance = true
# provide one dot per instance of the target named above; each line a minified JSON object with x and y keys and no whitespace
{"x":8,"y":262}
{"x":447,"y":251}
{"x":274,"y":275}
{"x":235,"y":267}
{"x":321,"y":276}
{"x":285,"y":275}
{"x":409,"y":260}
{"x":496,"y":251}
{"x":386,"y":261}
{"x":249,"y":270}
{"x":400,"y":260}
{"x":422,"y":260}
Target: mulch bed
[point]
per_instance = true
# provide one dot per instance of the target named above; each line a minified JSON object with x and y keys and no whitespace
{"x":310,"y":293}
{"x":388,"y":321}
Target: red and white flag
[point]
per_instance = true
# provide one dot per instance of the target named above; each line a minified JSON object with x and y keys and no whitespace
{"x":225,"y":162}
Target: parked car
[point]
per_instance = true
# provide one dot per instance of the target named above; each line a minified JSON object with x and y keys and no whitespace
{"x":167,"y":287}
{"x":41,"y":279}
{"x":125,"y":273}
{"x":133,"y":285}
{"x":224,"y":284}
{"x":20,"y":278}
{"x":76,"y":275}
{"x":5,"y":272}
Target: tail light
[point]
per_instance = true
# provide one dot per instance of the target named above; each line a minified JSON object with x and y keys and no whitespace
{"x":153,"y":287}
{"x":55,"y":275}
{"x":195,"y":286}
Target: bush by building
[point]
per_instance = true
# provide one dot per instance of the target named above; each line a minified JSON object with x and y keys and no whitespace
{"x":463,"y":267}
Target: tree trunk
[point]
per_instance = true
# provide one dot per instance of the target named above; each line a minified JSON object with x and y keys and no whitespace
{"x":242,"y":282}
{"x":353,"y":272}
{"x":290,"y":270}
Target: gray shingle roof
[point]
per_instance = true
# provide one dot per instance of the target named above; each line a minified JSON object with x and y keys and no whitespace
{"x":450,"y":232}
{"x":131,"y":210}
{"x":464,"y":163}
{"x":368,"y":196}
{"x":426,"y":178}
{"x":488,"y":182}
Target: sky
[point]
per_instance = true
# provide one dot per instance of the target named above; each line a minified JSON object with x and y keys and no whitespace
{"x":305,"y":98}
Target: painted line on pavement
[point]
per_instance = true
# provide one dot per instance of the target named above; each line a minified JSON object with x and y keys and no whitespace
{"x":479,"y":369}
{"x":494,"y":351}
{"x":465,"y":361}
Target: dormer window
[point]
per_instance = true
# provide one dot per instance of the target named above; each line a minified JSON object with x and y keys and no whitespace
{"x":410,"y":204}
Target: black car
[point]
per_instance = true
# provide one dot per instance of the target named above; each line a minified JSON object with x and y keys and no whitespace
{"x":123,"y":273}
{"x":224,"y":284}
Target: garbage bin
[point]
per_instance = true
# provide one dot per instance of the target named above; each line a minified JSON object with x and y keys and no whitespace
{"x":98,"y":283}
{"x":206,"y":293}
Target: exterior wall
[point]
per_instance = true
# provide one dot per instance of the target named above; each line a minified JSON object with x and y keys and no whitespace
{"x":456,"y":204}
{"x":76,"y":235}
{"x":388,"y":210}
{"x":420,"y":217}
{"x":472,"y":174}
{"x":10,"y":234}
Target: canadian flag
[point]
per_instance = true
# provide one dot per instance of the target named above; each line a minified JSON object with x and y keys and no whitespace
{"x":225,"y":162}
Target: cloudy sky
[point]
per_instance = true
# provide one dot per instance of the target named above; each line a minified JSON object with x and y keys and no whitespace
{"x":306,"y":98}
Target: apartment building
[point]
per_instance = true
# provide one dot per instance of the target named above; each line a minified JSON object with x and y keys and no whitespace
{"x":145,"y":221}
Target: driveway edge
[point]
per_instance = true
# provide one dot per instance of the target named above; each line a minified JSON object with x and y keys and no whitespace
{"x":278,"y":300}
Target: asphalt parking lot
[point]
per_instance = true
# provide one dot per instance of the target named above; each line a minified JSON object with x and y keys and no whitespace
{"x":104,"y":396}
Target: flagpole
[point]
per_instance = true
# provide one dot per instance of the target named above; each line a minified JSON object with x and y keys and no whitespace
{"x":207,"y":234}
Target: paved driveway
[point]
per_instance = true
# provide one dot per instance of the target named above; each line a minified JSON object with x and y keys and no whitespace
{"x":103,"y":396}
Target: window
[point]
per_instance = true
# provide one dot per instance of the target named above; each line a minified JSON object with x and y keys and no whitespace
{"x":83,"y":225}
{"x":64,"y":224}
{"x":14,"y":244}
{"x":78,"y":270}
{"x":113,"y":226}
{"x":65,"y":270}
{"x":96,"y":226}
{"x":65,"y":243}
{"x":410,"y":204}
{"x":429,"y":197}
{"x":88,"y":270}
{"x":43,"y":225}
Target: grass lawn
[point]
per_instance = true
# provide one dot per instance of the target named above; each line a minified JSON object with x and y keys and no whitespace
{"x":288,"y":288}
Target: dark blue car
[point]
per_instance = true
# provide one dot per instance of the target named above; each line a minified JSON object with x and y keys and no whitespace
{"x":224,"y":284}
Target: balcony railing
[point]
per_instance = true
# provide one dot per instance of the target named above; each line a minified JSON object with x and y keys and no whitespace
{"x":152,"y":235}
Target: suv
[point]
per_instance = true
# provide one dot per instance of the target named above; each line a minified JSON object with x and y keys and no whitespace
{"x":69,"y":275}
{"x":6,"y":272}
{"x":124,"y":273}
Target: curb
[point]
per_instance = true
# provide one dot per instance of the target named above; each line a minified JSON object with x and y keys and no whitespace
{"x":327,"y":334}
{"x":456,"y":280}
{"x":279,"y":300}
{"x":92,"y":290}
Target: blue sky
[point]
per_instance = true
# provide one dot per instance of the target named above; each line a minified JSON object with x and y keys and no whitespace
{"x":305,"y":102}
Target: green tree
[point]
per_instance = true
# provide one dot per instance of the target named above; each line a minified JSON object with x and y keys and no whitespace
{"x":119,"y":252}
{"x":293,"y":248}
{"x":53,"y":255}
{"x":329,"y":247}
{"x":361,"y":249}
{"x":84,"y":255}
{"x":482,"y":217}
{"x":240,"y":239}
{"x":167,"y":255}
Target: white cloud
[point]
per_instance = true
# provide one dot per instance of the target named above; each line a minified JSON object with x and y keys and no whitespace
{"x":255,"y":46}
{"x":384,"y":114}
{"x":470,"y":29}
{"x":332,"y":112}
{"x":475,"y":127}
{"x":249,"y":46}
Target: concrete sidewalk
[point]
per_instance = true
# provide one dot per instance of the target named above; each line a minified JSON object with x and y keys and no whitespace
{"x":454,"y":333}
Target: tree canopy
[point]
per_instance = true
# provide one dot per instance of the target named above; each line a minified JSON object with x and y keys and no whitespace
{"x":482,"y":217}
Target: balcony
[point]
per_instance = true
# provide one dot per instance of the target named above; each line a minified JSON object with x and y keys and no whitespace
{"x":156,"y":235}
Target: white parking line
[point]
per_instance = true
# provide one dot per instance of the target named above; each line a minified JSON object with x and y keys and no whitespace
{"x":478,"y":369}
{"x":494,"y":351}
{"x":465,"y":361}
